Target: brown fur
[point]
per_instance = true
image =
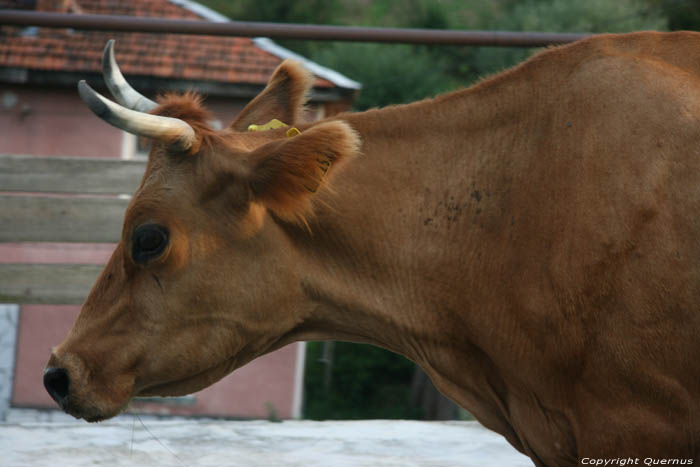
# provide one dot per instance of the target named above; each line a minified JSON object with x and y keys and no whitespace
{"x":188,"y":107}
{"x":283,"y":98}
{"x":532,"y":242}
{"x":285,"y":175}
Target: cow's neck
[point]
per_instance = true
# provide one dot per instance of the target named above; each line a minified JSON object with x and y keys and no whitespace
{"x":406,"y":249}
{"x":404,"y":224}
{"x":405,"y":220}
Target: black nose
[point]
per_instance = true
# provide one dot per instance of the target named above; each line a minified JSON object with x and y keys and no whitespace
{"x":57,"y":383}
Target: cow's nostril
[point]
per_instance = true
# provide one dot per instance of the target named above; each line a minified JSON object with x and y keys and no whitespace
{"x":57,"y":383}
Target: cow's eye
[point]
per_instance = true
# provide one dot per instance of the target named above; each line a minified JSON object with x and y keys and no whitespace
{"x":148,"y":242}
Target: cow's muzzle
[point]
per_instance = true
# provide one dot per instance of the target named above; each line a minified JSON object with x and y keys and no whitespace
{"x":82,"y":392}
{"x":57,"y":384}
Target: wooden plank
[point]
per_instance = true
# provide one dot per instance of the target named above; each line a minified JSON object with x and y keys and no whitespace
{"x":69,"y":174}
{"x":51,"y":219}
{"x":55,"y":284}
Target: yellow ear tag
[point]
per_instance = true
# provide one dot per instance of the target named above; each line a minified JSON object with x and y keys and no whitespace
{"x":293,"y":131}
{"x":271,"y":125}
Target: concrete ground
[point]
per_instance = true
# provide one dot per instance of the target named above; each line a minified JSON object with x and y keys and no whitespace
{"x":127,"y":441}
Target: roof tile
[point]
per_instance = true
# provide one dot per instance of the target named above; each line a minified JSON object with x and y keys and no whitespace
{"x":192,"y":57}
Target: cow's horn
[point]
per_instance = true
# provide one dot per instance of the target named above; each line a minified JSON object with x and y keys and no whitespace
{"x":178,"y":133}
{"x":118,"y":86}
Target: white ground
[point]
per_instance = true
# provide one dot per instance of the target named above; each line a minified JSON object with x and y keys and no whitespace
{"x":375,"y":443}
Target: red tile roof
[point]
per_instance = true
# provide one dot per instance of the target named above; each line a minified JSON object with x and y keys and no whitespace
{"x":189,"y":57}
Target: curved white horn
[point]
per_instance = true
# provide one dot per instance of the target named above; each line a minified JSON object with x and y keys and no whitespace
{"x":119,"y":87}
{"x":178,"y":133}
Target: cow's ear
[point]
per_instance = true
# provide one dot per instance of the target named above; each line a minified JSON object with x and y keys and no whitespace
{"x":284,"y":175}
{"x":283,"y":98}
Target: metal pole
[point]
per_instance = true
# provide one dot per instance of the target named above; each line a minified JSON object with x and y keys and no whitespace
{"x":283,"y":31}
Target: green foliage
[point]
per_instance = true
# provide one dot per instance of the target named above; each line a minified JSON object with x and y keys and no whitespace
{"x":681,"y":14}
{"x":398,"y":74}
{"x":427,"y":14}
{"x":595,"y":16}
{"x":279,"y":11}
{"x":366,"y":382}
{"x":283,"y":11}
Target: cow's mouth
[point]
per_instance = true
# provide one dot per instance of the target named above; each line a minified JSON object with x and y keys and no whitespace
{"x":91,"y":413}
{"x":189,"y":384}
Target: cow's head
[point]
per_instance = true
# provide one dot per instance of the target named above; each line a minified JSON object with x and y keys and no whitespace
{"x":203,"y":279}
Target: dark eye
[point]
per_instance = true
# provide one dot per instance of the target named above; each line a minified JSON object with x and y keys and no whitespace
{"x":148,"y":242}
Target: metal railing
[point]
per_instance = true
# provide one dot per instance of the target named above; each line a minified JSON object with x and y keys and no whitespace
{"x":284,"y":31}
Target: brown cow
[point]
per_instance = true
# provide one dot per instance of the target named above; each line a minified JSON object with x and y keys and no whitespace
{"x":533,"y":242}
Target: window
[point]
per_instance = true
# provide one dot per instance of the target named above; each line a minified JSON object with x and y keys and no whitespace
{"x":134,"y":147}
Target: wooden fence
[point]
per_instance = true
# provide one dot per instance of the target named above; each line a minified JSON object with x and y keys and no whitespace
{"x":60,"y":199}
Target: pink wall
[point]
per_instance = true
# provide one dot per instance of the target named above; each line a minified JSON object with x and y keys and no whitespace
{"x":53,"y":122}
